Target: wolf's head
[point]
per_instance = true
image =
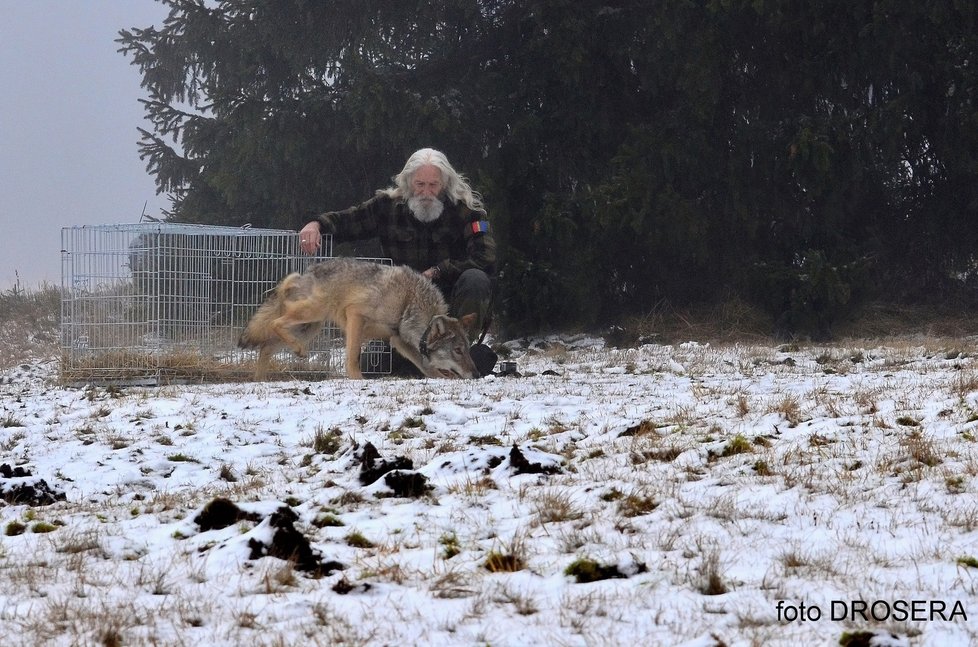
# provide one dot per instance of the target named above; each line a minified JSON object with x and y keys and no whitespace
{"x":445,"y":348}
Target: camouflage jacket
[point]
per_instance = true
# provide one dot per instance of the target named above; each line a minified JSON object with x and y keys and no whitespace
{"x":458,"y":240}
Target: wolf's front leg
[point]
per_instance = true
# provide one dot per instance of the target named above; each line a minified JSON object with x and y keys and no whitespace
{"x":354,"y":338}
{"x":282,"y":327}
{"x":409,"y":352}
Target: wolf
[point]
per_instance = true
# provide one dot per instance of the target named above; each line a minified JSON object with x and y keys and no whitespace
{"x":367,"y":301}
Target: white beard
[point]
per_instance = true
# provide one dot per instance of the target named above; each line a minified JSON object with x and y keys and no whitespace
{"x":426,"y":210}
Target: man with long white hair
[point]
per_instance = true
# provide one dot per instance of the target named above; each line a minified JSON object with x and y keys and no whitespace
{"x":430,"y":220}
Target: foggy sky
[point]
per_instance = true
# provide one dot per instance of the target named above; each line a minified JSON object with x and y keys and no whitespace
{"x":68,"y":116}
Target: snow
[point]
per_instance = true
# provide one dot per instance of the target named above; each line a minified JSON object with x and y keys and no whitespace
{"x":726,"y":486}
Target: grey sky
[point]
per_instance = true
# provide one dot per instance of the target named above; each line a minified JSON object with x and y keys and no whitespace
{"x":69,"y":111}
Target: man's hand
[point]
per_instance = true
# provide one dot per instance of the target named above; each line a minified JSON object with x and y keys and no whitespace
{"x":432,"y":273}
{"x":310,"y":238}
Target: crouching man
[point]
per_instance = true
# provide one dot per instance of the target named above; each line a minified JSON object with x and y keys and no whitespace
{"x":432,"y":221}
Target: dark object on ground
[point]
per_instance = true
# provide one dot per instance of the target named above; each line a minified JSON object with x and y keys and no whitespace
{"x":287,"y":543}
{"x":372,"y":466}
{"x":221,"y":513}
{"x":30,"y":491}
{"x":522,"y":466}
{"x":587,"y":570}
{"x":484,"y":358}
{"x":291,"y":545}
{"x":407,"y":484}
{"x":344,"y":586}
{"x":8,"y":472}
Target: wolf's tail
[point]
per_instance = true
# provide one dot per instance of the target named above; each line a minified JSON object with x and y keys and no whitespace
{"x":258,"y":333}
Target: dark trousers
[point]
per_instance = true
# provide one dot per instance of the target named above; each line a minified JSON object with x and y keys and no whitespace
{"x":470,"y":294}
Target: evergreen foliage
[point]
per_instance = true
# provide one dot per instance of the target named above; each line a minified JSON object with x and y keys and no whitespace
{"x":801,"y":155}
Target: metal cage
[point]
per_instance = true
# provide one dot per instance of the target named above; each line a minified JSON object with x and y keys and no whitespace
{"x":165,"y":302}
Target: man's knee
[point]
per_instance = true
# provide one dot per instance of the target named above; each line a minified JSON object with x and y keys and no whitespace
{"x":472,"y":285}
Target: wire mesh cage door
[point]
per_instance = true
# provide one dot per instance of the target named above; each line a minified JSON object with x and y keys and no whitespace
{"x":156,"y":302}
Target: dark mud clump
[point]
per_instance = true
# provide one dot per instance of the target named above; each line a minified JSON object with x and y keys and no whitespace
{"x":291,"y":545}
{"x":372,"y":466}
{"x":522,"y":466}
{"x":587,"y":570}
{"x":407,"y":484}
{"x":221,"y":513}
{"x":26,"y":490}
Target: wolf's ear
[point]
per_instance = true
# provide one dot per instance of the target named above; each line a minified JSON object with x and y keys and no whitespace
{"x":468,"y":321}
{"x":439,"y":326}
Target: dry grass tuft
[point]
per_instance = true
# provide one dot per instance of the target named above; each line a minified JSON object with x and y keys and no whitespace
{"x":508,"y":559}
{"x":30,"y":324}
{"x":788,"y":407}
{"x":922,"y":449}
{"x":711,"y":581}
{"x":554,"y":507}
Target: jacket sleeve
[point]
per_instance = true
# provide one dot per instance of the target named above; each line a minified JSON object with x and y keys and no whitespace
{"x":356,"y":223}
{"x":480,"y":247}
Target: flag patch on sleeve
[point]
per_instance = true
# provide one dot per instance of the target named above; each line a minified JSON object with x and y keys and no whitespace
{"x":480,"y":226}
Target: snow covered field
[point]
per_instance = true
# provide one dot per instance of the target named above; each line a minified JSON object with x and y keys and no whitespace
{"x":666,"y":495}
